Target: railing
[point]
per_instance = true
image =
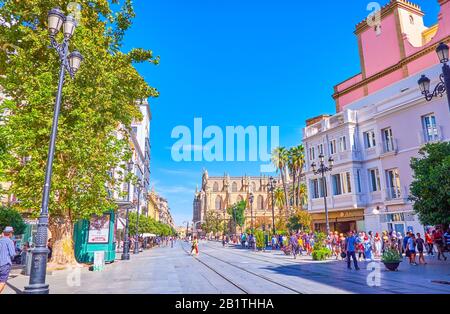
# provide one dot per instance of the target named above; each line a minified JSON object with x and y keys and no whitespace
{"x":393,"y":193}
{"x":390,"y":146}
{"x":430,"y":135}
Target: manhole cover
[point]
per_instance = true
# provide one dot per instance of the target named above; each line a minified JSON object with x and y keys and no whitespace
{"x":441,"y":282}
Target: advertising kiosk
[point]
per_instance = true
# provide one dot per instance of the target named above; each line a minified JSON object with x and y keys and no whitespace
{"x":95,"y":235}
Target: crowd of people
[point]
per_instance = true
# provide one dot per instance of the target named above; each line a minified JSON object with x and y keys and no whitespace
{"x":362,"y":246}
{"x":358,"y":246}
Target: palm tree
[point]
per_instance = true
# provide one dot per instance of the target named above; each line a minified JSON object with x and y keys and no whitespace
{"x":296,"y":161}
{"x":300,"y":160}
{"x":278,"y":195}
{"x":280,"y":160}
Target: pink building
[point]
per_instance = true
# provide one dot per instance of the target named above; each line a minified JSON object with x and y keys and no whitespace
{"x":382,"y":120}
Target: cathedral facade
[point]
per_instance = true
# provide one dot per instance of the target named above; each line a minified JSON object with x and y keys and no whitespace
{"x":219,"y":193}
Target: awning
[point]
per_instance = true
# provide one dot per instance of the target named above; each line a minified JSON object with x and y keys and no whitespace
{"x":149,"y":235}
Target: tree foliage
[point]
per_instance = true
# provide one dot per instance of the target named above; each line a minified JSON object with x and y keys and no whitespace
{"x":11,"y":217}
{"x":148,"y":225}
{"x":95,"y":105}
{"x":237,"y":212}
{"x":213,"y":222}
{"x":300,"y":220}
{"x":430,"y":189}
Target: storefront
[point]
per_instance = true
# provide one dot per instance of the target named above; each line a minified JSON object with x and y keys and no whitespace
{"x":340,"y":221}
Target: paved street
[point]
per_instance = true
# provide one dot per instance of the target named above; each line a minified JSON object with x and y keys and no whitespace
{"x":232,"y":270}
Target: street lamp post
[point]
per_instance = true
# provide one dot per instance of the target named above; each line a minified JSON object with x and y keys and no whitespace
{"x":251,"y":198}
{"x":70,"y":63}
{"x":272,"y":185}
{"x":136,"y":244}
{"x":126,"y":240}
{"x":444,"y":84}
{"x":322,"y":170}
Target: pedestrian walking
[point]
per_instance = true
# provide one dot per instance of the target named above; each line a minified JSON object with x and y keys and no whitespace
{"x":194,"y":248}
{"x":429,"y":241}
{"x":447,"y":240}
{"x":411,"y":249}
{"x":293,"y":242}
{"x":7,"y":254}
{"x":351,"y":243}
{"x":420,"y":244}
{"x":438,"y":241}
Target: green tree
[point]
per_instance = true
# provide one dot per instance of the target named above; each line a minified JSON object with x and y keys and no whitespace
{"x":295,"y":163}
{"x":97,"y":106}
{"x":11,"y":217}
{"x":280,"y":158}
{"x":430,"y":189}
{"x":212,"y":222}
{"x":237,"y":212}
{"x":278,"y":195}
{"x":300,"y":220}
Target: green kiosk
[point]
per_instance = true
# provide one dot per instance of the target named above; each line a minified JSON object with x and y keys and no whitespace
{"x":95,"y":235}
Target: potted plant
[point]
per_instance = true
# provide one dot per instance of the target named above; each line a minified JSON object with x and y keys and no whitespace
{"x":259,"y":235}
{"x":391,"y":258}
{"x":320,"y":251}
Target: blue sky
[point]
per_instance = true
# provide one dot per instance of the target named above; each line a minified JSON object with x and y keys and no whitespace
{"x":241,"y":62}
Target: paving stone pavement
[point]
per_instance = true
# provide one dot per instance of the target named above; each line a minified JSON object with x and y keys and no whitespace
{"x":232,"y":270}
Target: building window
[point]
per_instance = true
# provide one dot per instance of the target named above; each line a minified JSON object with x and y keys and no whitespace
{"x":388,"y":140}
{"x":374,"y":180}
{"x":430,"y":130}
{"x":234,"y":187}
{"x":342,"y":144}
{"x":260,"y":202}
{"x":332,"y":147}
{"x":320,"y":149}
{"x":218,"y":203}
{"x":393,"y":184}
{"x":312,"y":155}
{"x":411,"y":19}
{"x":369,"y":139}
{"x":216,"y":187}
{"x":341,"y":183}
{"x":337,"y":184}
{"x":317,"y":189}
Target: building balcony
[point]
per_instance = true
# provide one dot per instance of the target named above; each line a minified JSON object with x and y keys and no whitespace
{"x":393,"y":193}
{"x":389,"y":147}
{"x":430,"y":135}
{"x":347,"y":116}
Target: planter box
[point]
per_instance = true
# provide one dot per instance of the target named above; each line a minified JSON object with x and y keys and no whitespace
{"x":393,"y":266}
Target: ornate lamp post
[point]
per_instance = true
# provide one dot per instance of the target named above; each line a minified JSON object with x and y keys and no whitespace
{"x":251,"y":198}
{"x":139,"y":189}
{"x":322,"y":170}
{"x":272,"y":185}
{"x":444,"y":85}
{"x":126,"y":240}
{"x":70,"y":62}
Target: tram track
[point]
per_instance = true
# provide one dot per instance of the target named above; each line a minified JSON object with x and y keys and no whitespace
{"x":291,"y":265}
{"x":244,"y":270}
{"x":218,"y":273}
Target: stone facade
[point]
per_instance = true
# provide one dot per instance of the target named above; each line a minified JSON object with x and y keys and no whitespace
{"x":218,"y":193}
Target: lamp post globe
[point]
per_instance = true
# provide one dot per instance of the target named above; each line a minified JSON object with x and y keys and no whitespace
{"x":70,"y":23}
{"x":424,"y":84}
{"x":55,"y":21}
{"x":443,"y":52}
{"x":75,"y":59}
